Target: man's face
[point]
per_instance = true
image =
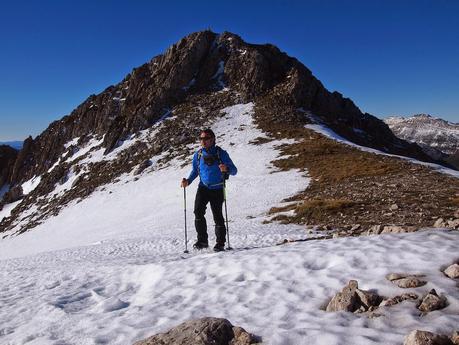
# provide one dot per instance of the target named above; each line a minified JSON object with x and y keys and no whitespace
{"x":206,"y":140}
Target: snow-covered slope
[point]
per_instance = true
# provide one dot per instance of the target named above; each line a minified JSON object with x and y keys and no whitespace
{"x":426,"y":131}
{"x":152,"y":203}
{"x":109,"y":269}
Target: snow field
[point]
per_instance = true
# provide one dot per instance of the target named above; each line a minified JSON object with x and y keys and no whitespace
{"x":275,"y":292}
{"x":109,"y":269}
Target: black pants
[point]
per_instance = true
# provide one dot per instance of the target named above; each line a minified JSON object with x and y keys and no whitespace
{"x":205,"y":195}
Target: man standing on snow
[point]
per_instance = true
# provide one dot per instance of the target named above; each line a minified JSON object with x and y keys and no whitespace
{"x":213,"y":165}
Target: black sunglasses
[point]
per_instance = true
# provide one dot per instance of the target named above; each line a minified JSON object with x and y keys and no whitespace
{"x":205,"y":138}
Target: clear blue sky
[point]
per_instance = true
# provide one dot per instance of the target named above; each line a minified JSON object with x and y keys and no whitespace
{"x":390,"y":57}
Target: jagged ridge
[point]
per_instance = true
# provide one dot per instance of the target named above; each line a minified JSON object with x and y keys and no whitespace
{"x":189,"y":66}
{"x":191,"y":82}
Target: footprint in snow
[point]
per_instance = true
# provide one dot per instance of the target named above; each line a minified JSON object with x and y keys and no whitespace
{"x":6,"y":331}
{"x":52,"y":285}
{"x":73,"y":303}
{"x":113,"y":304}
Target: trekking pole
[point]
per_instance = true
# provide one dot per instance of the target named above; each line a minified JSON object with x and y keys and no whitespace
{"x":226,"y":213}
{"x":184,"y":210}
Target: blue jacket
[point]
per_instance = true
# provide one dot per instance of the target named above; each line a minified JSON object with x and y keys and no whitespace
{"x":211,"y":176}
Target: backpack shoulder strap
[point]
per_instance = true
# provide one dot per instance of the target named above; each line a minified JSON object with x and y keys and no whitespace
{"x":218,"y":154}
{"x":199,"y":161}
{"x":225,"y":175}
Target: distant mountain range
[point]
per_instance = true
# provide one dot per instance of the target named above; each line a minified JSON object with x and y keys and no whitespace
{"x":439,"y":138}
{"x":14,"y":144}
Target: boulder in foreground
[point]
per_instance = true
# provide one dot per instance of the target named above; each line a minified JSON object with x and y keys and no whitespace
{"x":205,"y":331}
{"x":432,"y":301}
{"x":426,"y":338}
{"x":353,"y":299}
{"x":452,"y":271}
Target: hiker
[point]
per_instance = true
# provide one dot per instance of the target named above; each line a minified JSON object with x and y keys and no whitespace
{"x":213,"y":165}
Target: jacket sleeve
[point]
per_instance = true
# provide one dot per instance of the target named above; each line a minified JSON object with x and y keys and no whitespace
{"x":232,"y":170}
{"x":194,"y":172}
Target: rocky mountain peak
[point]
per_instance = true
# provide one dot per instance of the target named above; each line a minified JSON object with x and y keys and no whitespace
{"x":188,"y":86}
{"x":199,"y":63}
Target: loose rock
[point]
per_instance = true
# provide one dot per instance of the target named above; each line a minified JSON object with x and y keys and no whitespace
{"x":439,"y":223}
{"x":452,"y":223}
{"x":369,"y":299}
{"x":375,"y":230}
{"x":395,"y":229}
{"x":352,"y":299}
{"x":406,"y":281}
{"x":455,"y":338}
{"x":346,"y":300}
{"x":452,"y":271}
{"x":393,"y":207}
{"x":205,"y":331}
{"x":426,"y":338}
{"x":432,"y":301}
{"x":355,"y":227}
{"x":395,"y":276}
{"x":398,"y":299}
{"x":409,"y":282}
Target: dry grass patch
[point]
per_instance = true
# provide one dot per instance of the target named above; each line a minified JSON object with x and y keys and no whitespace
{"x":316,"y":208}
{"x":280,"y":209}
{"x":309,"y":210}
{"x":327,"y":160}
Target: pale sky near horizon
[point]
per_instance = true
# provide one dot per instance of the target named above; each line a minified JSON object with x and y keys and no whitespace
{"x":390,"y":57}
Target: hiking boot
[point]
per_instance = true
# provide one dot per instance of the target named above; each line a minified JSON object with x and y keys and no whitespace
{"x":200,"y":245}
{"x":219,"y":247}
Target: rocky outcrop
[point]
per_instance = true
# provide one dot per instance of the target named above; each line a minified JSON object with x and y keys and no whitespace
{"x":205,"y":331}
